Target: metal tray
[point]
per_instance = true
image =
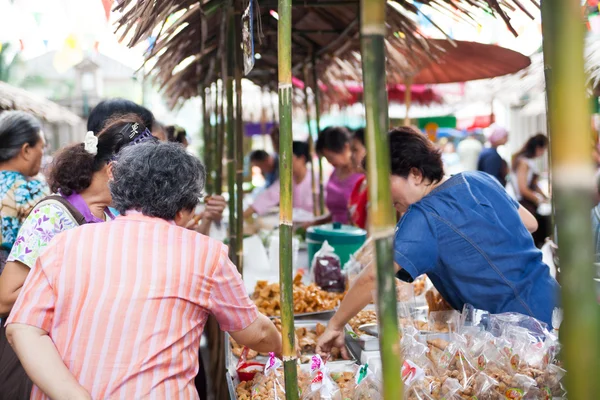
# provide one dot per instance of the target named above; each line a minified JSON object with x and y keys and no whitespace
{"x":366,"y":342}
{"x":231,"y":385}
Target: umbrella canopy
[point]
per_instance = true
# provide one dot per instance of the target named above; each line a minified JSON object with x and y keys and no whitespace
{"x":468,"y":61}
{"x":453,"y":61}
{"x":420,"y":94}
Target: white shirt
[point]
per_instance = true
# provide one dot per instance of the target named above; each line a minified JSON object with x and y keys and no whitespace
{"x":468,"y":150}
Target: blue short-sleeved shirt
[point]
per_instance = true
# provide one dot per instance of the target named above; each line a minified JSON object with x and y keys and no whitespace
{"x":468,"y":237}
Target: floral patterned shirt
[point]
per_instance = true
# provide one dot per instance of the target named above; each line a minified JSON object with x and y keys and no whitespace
{"x":45,"y":221}
{"x":18,"y":195}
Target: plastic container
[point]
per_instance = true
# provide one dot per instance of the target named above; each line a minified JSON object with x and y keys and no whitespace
{"x":345,"y":239}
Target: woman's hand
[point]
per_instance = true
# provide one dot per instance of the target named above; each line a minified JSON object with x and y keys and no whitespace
{"x":332,"y":337}
{"x":215,"y":205}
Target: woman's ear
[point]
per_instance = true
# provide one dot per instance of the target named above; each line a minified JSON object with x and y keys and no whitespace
{"x":416,"y":176}
{"x":109,"y":171}
{"x":25,"y":151}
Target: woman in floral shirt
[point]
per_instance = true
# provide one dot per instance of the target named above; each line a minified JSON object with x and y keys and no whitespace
{"x":21,"y":150}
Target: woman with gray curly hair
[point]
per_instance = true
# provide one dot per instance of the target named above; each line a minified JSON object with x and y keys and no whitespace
{"x":110,"y":312}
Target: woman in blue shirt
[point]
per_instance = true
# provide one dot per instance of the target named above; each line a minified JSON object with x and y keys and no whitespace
{"x":471,"y":239}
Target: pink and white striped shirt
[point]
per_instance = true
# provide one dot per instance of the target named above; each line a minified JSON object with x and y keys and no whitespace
{"x":125,"y":303}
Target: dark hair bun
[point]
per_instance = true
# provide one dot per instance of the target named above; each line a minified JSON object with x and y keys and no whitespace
{"x":73,"y":167}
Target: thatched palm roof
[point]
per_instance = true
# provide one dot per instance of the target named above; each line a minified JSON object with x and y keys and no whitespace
{"x":14,"y":98}
{"x":188,"y":52}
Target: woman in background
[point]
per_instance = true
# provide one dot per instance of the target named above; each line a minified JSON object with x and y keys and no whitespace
{"x":177,"y":134}
{"x":21,"y":150}
{"x":334,"y":145}
{"x":524,"y":183}
{"x":357,"y":205}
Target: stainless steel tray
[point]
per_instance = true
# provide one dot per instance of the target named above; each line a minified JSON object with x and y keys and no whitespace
{"x":231,"y":386}
{"x":317,"y":315}
{"x":366,"y":342}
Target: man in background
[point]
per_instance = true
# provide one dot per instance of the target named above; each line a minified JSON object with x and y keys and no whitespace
{"x":468,"y":151}
{"x":490,"y":161}
{"x":268,"y":165}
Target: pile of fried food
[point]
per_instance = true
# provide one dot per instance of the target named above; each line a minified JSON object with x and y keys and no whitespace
{"x":306,"y":339}
{"x":362,"y":318}
{"x":307,"y":299}
{"x":512,"y":366}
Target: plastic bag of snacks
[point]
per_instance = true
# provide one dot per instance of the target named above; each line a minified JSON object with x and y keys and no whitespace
{"x":327,"y":270}
{"x":270,"y":386}
{"x":368,"y":387}
{"x":321,"y":385}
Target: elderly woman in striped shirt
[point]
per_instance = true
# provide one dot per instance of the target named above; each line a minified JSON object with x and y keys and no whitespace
{"x":110,"y":312}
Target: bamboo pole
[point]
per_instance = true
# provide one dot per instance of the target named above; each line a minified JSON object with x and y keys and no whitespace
{"x":239,"y":136}
{"x":230,"y":62}
{"x":284,"y":56}
{"x":573,"y":177}
{"x":311,"y":145}
{"x":206,"y":135}
{"x":381,"y":215}
{"x":219,"y":139}
{"x":316,"y":93}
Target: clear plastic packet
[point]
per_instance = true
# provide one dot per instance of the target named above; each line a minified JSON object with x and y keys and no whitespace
{"x":352,"y":268}
{"x":270,"y":385}
{"x":550,"y":383}
{"x":498,"y":323}
{"x":368,"y":387}
{"x":485,"y":387}
{"x":429,"y":388}
{"x":450,"y":389}
{"x":345,"y":377}
{"x":321,"y":385}
{"x":327,"y":270}
{"x":444,"y":321}
{"x":518,"y":387}
{"x":454,"y":363}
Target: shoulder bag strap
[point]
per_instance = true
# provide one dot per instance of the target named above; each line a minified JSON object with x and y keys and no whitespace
{"x":77,"y":216}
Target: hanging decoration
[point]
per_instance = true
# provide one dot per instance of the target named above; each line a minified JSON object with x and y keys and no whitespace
{"x":107,"y":4}
{"x":248,"y":37}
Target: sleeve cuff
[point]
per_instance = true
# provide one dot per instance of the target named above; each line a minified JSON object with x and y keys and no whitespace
{"x":409,"y":272}
{"x":243,"y":323}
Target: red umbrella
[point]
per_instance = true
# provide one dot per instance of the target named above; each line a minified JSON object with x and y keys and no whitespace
{"x":461,"y":61}
{"x":445,"y":61}
{"x":420,"y":94}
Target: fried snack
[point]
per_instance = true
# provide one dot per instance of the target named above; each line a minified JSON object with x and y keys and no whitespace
{"x":307,"y":299}
{"x":419,"y":285}
{"x":362,"y":318}
{"x":436,"y":302}
{"x":237,"y":349}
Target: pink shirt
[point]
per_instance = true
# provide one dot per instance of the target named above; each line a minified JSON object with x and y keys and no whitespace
{"x":125,"y":303}
{"x":301,"y":196}
{"x":338,"y":194}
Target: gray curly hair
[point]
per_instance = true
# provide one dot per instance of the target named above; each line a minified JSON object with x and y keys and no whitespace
{"x":157,"y":179}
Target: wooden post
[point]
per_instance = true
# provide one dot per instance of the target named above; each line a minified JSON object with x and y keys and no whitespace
{"x":316,"y":93}
{"x":239,"y":136}
{"x":311,"y":145}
